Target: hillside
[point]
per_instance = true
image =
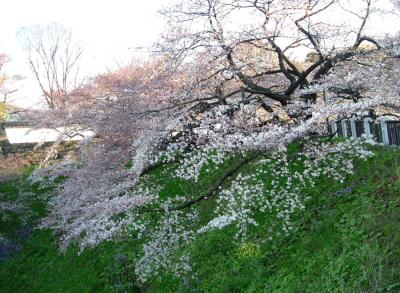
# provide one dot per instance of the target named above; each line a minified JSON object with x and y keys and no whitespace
{"x":345,"y":240}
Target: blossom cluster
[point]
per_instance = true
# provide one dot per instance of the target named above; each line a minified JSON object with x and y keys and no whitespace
{"x":218,"y":109}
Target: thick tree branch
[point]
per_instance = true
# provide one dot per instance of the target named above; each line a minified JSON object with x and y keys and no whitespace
{"x":213,"y":191}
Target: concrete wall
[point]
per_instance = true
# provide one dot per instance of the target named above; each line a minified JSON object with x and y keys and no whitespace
{"x":23,"y":132}
{"x":27,"y":134}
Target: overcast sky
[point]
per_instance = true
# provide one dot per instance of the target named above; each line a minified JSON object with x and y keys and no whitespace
{"x":107,"y":29}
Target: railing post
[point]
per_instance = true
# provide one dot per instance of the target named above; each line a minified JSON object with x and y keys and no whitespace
{"x":385,"y":132}
{"x":353,"y":127}
{"x":334,"y":127}
{"x":344,"y":128}
{"x":368,"y":132}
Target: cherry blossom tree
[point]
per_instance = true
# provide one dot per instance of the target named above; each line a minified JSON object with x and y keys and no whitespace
{"x":227,"y":90}
{"x":274,"y":33}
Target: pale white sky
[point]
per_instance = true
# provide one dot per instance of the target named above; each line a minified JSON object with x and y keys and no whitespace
{"x":107,"y":29}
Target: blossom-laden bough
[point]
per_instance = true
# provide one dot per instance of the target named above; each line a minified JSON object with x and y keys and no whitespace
{"x":223,"y":97}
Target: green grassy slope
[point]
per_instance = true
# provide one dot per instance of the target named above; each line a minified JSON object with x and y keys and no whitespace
{"x":347,"y":240}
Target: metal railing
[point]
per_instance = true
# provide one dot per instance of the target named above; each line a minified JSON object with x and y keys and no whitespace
{"x":383,"y":131}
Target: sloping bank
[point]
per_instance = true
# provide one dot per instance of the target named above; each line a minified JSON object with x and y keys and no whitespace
{"x":346,"y":240}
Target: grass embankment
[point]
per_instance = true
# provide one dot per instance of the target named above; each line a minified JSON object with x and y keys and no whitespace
{"x":347,"y":240}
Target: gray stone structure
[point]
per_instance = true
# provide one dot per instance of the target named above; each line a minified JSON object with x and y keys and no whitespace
{"x":16,"y":156}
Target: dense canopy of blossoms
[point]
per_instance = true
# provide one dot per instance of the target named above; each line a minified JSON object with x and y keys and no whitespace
{"x":222,"y":91}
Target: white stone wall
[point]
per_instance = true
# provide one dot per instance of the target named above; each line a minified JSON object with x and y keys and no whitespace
{"x":26,"y":134}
